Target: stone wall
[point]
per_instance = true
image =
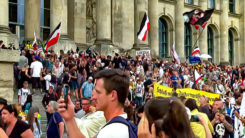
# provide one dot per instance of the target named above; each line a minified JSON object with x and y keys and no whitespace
{"x":7,"y":58}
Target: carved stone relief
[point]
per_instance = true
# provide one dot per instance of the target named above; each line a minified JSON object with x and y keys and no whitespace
{"x":91,"y":21}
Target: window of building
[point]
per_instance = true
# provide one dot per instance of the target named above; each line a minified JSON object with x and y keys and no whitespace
{"x":189,"y":1}
{"x":232,"y":6}
{"x":163,"y":38}
{"x":17,"y":17}
{"x":231,"y":45}
{"x":45,"y":19}
{"x":211,"y":4}
{"x":210,"y":43}
{"x":188,"y":40}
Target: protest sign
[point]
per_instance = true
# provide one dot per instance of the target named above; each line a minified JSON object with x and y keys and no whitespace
{"x":162,"y":91}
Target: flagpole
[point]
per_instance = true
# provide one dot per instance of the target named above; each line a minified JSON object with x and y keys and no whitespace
{"x":200,"y":33}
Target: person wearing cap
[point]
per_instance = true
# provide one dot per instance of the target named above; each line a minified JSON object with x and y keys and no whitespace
{"x":36,"y":69}
{"x":86,"y":89}
{"x":23,"y":93}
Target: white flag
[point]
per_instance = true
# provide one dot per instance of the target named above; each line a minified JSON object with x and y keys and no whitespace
{"x":175,"y":55}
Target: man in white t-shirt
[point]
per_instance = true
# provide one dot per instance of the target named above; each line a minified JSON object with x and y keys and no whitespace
{"x":109,"y":95}
{"x":47,"y":79}
{"x":36,"y":69}
{"x":23,"y":93}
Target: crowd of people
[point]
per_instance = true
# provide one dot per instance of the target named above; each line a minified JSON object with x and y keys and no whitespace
{"x":113,"y":96}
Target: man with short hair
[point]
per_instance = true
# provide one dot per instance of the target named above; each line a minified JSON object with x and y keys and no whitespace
{"x":23,"y":93}
{"x":36,"y":69}
{"x":23,"y":60}
{"x":92,"y":121}
{"x":110,"y":92}
{"x":221,"y":122}
{"x":77,"y":106}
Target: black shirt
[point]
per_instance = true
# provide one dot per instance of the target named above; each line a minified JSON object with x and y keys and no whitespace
{"x":219,"y":129}
{"x":117,"y":62}
{"x":18,"y":129}
{"x":47,"y":98}
{"x":74,"y":74}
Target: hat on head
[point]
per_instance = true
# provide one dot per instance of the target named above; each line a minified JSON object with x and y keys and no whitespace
{"x":90,"y":78}
{"x":25,"y":82}
{"x":3,"y":101}
{"x":36,"y":57}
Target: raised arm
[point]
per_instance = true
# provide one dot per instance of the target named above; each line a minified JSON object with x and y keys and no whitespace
{"x":68,"y":116}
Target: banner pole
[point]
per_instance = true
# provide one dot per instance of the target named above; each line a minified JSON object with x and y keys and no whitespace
{"x":200,"y":33}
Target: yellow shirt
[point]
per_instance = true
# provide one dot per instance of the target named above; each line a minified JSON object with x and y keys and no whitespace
{"x":197,"y":127}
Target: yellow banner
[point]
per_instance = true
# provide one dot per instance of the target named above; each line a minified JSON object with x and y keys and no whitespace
{"x":162,"y":91}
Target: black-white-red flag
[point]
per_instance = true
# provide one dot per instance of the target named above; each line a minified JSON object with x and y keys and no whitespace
{"x":144,"y":27}
{"x":53,"y":37}
{"x":196,"y":51}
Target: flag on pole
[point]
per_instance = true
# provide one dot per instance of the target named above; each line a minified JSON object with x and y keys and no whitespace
{"x":144,"y":27}
{"x":196,"y":51}
{"x":198,"y":17}
{"x":53,"y":37}
{"x":175,"y":55}
{"x":34,"y":43}
{"x":197,"y":76}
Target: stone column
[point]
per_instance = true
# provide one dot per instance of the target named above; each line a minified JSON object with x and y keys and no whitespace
{"x":203,"y":41}
{"x":58,"y":13}
{"x":224,"y":51}
{"x":242,"y":36}
{"x":77,"y":22}
{"x":5,"y":33}
{"x":153,"y":17}
{"x":32,"y":19}
{"x":140,"y":7}
{"x":7,"y":59}
{"x":103,"y":40}
{"x":179,"y":29}
{"x":103,"y":21}
{"x":4,"y":13}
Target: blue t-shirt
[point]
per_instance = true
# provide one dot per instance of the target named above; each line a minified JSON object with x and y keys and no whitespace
{"x":87,"y":89}
{"x":53,"y":131}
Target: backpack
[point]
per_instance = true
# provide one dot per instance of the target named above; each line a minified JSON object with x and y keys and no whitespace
{"x":132,"y":129}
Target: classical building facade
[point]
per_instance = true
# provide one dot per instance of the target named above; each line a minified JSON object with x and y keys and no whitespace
{"x":113,"y":24}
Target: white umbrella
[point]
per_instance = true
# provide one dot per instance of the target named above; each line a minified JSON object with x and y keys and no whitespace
{"x":204,"y":56}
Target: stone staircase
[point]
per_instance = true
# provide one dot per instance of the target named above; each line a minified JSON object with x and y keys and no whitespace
{"x":37,"y":101}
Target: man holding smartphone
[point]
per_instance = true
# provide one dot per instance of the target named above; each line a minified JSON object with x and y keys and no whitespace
{"x":110,"y":92}
{"x":222,"y":123}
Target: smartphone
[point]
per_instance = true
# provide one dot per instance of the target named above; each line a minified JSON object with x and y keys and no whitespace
{"x":66,"y":92}
{"x":194,"y":118}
